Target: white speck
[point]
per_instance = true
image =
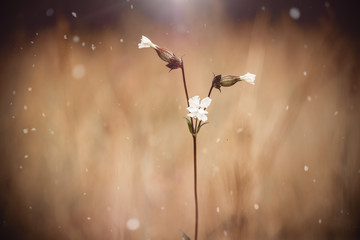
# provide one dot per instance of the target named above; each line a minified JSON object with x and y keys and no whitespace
{"x":32,"y":42}
{"x":314,"y":180}
{"x":217,"y":140}
{"x":256,"y":206}
{"x":51,"y":131}
{"x":217,"y":209}
{"x":231,"y":193}
{"x":239,"y":130}
{"x":83,"y":44}
{"x":65,"y":36}
{"x":121,"y":40}
{"x":37,"y":34}
{"x":29,"y":89}
{"x":88,"y":218}
{"x":110,"y":48}
{"x":249,"y":114}
{"x":342,"y":211}
{"x":133,"y":224}
{"x":33,"y":65}
{"x":204,"y":151}
{"x":26,"y":156}
{"x":25,"y":107}
{"x":305,"y":73}
{"x":287,"y":107}
{"x":12,"y":116}
{"x":49,"y":12}
{"x":21,"y":167}
{"x":78,"y":71}
{"x":225,"y":233}
{"x":263,"y":8}
{"x":25,"y":131}
{"x":306,"y":168}
{"x":336,"y":113}
{"x":13,"y":92}
{"x":309,"y":98}
{"x":93,"y":47}
{"x":11,"y":103}
{"x":320,"y":221}
{"x":30,"y":207}
{"x":117,"y":187}
{"x":127,"y":138}
{"x":43,"y":115}
{"x":294,"y":13}
{"x":74,"y":14}
{"x":327,"y":4}
{"x":132,"y":6}
{"x":84,"y":193}
{"x":305,"y":46}
{"x":162,"y":208}
{"x":76,"y":39}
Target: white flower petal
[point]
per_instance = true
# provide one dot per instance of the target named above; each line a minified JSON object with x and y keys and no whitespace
{"x":202,"y":111}
{"x":194,"y":101}
{"x":193,"y":115}
{"x":249,"y":78}
{"x":146,"y":43}
{"x":202,"y":117}
{"x":205,"y":102}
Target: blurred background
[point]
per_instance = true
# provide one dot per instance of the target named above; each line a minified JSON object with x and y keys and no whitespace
{"x":93,"y":140}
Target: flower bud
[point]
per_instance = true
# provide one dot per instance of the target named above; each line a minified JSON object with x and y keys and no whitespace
{"x":173,"y":61}
{"x":229,"y":80}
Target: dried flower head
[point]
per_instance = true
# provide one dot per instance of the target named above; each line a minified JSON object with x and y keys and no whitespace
{"x":173,"y":61}
{"x":229,"y":80}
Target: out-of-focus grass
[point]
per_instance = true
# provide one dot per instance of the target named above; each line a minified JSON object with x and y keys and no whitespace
{"x":88,"y":154}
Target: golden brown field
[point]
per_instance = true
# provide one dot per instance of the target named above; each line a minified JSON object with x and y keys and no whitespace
{"x":94,"y":138}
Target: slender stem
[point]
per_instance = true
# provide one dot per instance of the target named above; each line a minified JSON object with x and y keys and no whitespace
{"x":195,"y":191}
{"x":186,"y":92}
{"x":212,"y":86}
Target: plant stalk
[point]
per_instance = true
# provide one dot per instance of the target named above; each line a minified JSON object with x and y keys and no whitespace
{"x":183,"y":75}
{"x":195,"y":190}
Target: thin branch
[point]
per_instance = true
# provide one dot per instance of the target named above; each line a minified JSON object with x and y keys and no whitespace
{"x":195,"y":190}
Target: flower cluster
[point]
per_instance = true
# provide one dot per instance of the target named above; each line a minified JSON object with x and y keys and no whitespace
{"x":197,"y":108}
{"x":173,"y":61}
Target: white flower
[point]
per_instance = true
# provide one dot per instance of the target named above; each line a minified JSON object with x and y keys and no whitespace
{"x":197,"y":108}
{"x":249,"y":78}
{"x":146,"y":43}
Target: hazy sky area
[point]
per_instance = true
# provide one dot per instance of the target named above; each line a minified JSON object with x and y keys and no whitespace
{"x":36,"y":15}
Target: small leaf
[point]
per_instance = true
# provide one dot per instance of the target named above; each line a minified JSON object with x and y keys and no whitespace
{"x":202,"y":124}
{"x":189,"y":125}
{"x":184,"y":236}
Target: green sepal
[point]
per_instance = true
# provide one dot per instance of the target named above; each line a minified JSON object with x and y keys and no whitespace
{"x":184,"y":236}
{"x":189,"y":125}
{"x":201,"y":126}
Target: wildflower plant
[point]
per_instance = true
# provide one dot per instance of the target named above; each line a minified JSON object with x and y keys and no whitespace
{"x":197,"y":109}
